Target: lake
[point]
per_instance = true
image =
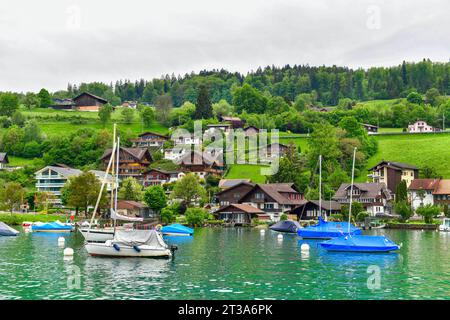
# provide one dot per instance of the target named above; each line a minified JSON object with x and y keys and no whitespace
{"x":228,"y":264}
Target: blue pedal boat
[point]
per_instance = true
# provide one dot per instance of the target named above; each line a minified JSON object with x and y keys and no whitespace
{"x":360,"y":243}
{"x":177,"y":230}
{"x":51,"y":227}
{"x":328,"y":230}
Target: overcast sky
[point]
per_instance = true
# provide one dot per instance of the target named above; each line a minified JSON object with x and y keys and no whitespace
{"x":49,"y":43}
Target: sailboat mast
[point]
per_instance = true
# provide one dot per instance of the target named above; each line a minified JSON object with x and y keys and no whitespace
{"x":320,"y":186}
{"x":117,"y":173}
{"x":351,"y":191}
{"x":113,"y":183}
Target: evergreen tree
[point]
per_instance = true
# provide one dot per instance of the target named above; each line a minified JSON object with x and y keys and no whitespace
{"x":203,"y":108}
{"x":401,"y":194}
{"x":45,"y":99}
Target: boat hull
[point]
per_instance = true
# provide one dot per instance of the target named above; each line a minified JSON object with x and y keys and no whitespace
{"x":107,"y":250}
{"x":33,"y":229}
{"x":323,"y":235}
{"x":178,"y":234}
{"x":366,"y":244}
{"x":97,"y":235}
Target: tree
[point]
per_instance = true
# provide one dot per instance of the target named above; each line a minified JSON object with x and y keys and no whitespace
{"x":31,"y":100}
{"x":148,"y":116}
{"x":403,"y":209}
{"x":302,"y":101}
{"x":196,"y":216}
{"x":428,"y":172}
{"x":446,"y":211}
{"x":428,"y":212}
{"x":9,"y":103}
{"x":18,"y":118}
{"x":45,"y":99}
{"x":155,"y":198}
{"x":414,"y":97}
{"x":276,"y":105}
{"x":188,"y":189}
{"x":127,"y":115}
{"x":356,"y":209}
{"x":249,"y":99}
{"x":323,"y":141}
{"x":32,"y":132}
{"x":11,"y":195}
{"x":401,"y":193}
{"x":82,"y":191}
{"x":163,"y":107}
{"x":203,"y":109}
{"x":168,"y":214}
{"x":131,"y":189}
{"x":104,"y":113}
{"x":432,"y":96}
{"x":222,"y":108}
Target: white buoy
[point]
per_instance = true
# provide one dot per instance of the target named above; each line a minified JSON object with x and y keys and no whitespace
{"x":68,"y":252}
{"x":61,"y":241}
{"x":262,"y":232}
{"x":280,"y":237}
{"x":304,"y":247}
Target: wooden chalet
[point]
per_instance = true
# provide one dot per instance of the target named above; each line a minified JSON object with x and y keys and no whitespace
{"x":132,"y":161}
{"x":201,"y":164}
{"x":251,"y":131}
{"x":88,"y":102}
{"x":131,"y":208}
{"x":63,"y":104}
{"x":149,"y":139}
{"x":234,"y":121}
{"x":269,"y":150}
{"x":391,"y":173}
{"x":240,"y":214}
{"x":234,"y":194}
{"x":370,"y":128}
{"x":158,"y":177}
{"x":310,"y":209}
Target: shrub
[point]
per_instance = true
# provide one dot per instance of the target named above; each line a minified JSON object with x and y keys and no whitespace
{"x":428,"y":212}
{"x":196,"y":216}
{"x":336,"y":217}
{"x":283,"y":217}
{"x":168,"y":214}
{"x":362,"y":216}
{"x":404,"y":210}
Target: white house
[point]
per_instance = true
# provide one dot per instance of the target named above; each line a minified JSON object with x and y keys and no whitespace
{"x":421,"y":126}
{"x":52,"y":179}
{"x":186,"y":140}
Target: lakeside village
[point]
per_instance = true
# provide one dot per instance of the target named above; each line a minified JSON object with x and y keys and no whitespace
{"x":190,"y":189}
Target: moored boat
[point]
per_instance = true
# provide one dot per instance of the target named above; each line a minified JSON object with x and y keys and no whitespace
{"x":287,"y":226}
{"x":177,"y":230}
{"x":7,"y":231}
{"x":328,"y":230}
{"x":97,"y":234}
{"x":360,"y":243}
{"x":131,"y":243}
{"x":56,"y":226}
{"x":445,"y":226}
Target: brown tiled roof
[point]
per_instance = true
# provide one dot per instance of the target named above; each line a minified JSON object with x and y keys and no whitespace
{"x":93,"y":96}
{"x":161,"y":170}
{"x":424,"y":184}
{"x":275,"y":190}
{"x":195,"y":157}
{"x":228,"y":118}
{"x":138,"y":153}
{"x":443,"y":187}
{"x":235,"y":186}
{"x":229,"y":183}
{"x":370,"y":189}
{"x":129,"y":204}
{"x":395,"y":165}
{"x":243,"y":207}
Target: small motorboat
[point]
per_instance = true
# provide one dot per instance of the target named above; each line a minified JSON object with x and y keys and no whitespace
{"x":445,"y":226}
{"x":7,"y":231}
{"x":177,"y":230}
{"x":360,"y":243}
{"x":288,"y":226}
{"x":56,"y":226}
{"x":132,"y":243}
{"x":27,"y":224}
{"x":328,"y":230}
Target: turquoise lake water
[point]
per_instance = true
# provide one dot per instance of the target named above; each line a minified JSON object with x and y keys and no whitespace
{"x":227,"y":264}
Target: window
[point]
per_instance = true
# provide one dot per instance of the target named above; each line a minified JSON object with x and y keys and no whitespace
{"x":259,"y":195}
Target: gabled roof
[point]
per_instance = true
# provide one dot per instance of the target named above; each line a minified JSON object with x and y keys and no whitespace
{"x":129,"y":204}
{"x":153,"y":133}
{"x":161,"y":171}
{"x":276,"y":190}
{"x":368,"y":125}
{"x":443,"y":187}
{"x":394,"y":165}
{"x":93,"y":96}
{"x":424,"y":184}
{"x":235,"y":186}
{"x":137,"y":153}
{"x":251,"y":127}
{"x":64,"y":171}
{"x":4,"y":157}
{"x":327,"y":204}
{"x":371,"y":189}
{"x":241,"y":207}
{"x":229,"y":183}
{"x":198,"y":158}
{"x":229,"y":118}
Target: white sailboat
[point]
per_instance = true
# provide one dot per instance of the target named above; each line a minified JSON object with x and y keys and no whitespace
{"x":122,"y":242}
